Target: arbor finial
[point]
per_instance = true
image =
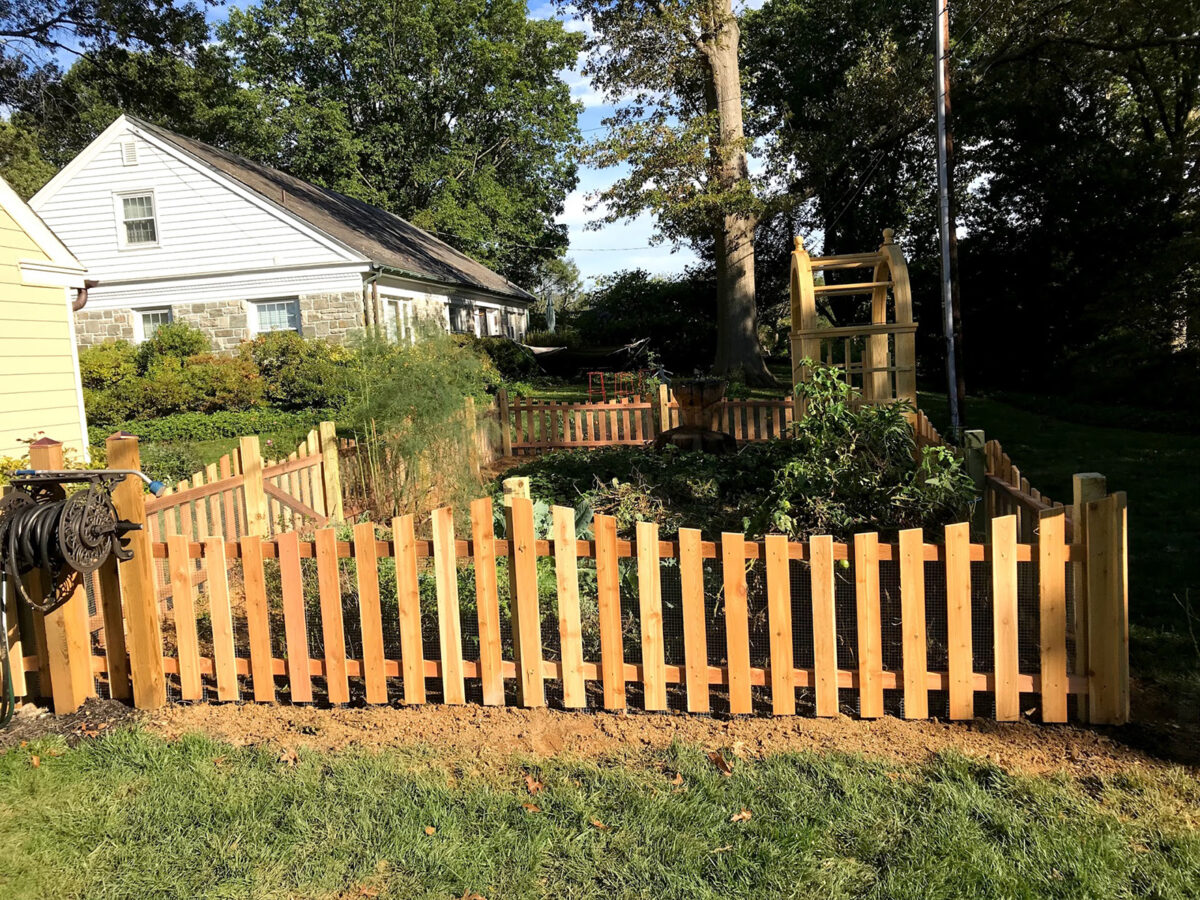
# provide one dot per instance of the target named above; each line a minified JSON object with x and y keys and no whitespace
{"x":889,"y":235}
{"x":798,"y":242}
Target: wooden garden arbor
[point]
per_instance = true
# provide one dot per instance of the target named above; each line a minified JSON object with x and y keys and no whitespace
{"x":877,"y":358}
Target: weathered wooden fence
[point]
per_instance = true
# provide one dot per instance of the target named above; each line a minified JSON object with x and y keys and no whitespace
{"x":530,"y":426}
{"x":242,"y":493}
{"x":949,"y":627}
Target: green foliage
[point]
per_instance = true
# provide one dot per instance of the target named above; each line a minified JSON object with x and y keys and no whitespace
{"x":383,"y":112}
{"x":173,"y":340}
{"x":562,"y":336}
{"x":509,"y":359}
{"x":21,"y":162}
{"x":170,"y":463}
{"x":194,"y":426}
{"x":298,"y":373}
{"x":852,"y":468}
{"x":676,"y":313}
{"x":845,"y":468}
{"x":406,"y":411}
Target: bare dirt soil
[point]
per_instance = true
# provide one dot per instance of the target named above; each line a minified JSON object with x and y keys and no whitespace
{"x":94,"y":718}
{"x":475,"y":731}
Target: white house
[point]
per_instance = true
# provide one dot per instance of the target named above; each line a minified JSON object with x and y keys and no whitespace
{"x":172,"y":229}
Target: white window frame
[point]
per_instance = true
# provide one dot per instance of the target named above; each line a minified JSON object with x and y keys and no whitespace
{"x":462,"y":319}
{"x":139,"y":324}
{"x":255,"y":322}
{"x":119,"y":198}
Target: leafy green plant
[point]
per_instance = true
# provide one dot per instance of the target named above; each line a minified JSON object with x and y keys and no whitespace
{"x":298,"y":373}
{"x":173,"y":340}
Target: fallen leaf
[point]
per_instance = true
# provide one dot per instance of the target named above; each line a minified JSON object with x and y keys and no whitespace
{"x":533,"y":784}
{"x":739,"y":749}
{"x":35,"y":761}
{"x":430,"y":830}
{"x":471,"y":895}
{"x":720,"y":762}
{"x":531,"y":808}
{"x":596,"y":823}
{"x":55,"y":752}
{"x":678,"y":779}
{"x":368,"y":892}
{"x":742,"y":816}
{"x":218,"y":761}
{"x":721,"y":849}
{"x":288,"y":757}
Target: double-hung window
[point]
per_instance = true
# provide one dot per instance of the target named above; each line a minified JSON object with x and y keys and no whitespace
{"x":148,"y":321}
{"x":138,"y":220}
{"x":276,"y":315}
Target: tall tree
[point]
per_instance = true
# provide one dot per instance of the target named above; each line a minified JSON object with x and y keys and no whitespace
{"x":673,"y":65}
{"x":32,"y":32}
{"x":454,"y":115}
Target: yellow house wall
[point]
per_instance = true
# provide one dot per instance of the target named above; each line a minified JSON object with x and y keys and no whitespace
{"x":37,"y":365}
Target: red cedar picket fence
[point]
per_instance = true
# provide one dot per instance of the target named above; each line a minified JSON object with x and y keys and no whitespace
{"x":755,"y":621}
{"x":244,"y":494}
{"x":529,"y":426}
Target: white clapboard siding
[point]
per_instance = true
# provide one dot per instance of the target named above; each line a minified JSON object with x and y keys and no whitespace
{"x":204,"y":225}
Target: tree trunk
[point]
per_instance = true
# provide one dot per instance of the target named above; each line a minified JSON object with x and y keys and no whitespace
{"x":738,"y":351}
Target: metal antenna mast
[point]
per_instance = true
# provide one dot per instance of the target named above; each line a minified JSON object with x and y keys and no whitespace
{"x":941,"y":84}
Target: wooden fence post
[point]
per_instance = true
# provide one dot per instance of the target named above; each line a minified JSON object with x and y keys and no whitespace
{"x":1086,"y":487}
{"x":517,"y":486}
{"x":664,"y":410}
{"x":136,"y":577}
{"x":331,"y":474}
{"x":1108,"y":610}
{"x":68,"y":642}
{"x":974,"y":441}
{"x":256,"y":498}
{"x":505,"y":424}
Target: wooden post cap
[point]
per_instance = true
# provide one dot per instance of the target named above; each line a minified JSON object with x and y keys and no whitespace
{"x":798,"y":242}
{"x":889,"y":235}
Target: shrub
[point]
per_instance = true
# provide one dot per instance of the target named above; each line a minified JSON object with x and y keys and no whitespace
{"x":509,"y":358}
{"x":561,"y":337}
{"x":170,"y":463}
{"x":107,"y":365}
{"x":195,"y":426}
{"x":174,"y":340}
{"x":215,"y":383}
{"x":298,"y":373}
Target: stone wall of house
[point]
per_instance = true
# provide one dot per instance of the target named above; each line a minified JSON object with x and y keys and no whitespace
{"x":331,"y":316}
{"x":226,"y":322}
{"x":95,"y":326}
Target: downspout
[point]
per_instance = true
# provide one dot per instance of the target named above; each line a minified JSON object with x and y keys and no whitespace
{"x":81,"y":295}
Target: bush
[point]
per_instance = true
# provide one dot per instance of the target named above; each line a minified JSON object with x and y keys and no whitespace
{"x":298,"y":373}
{"x":194,"y":426}
{"x":174,"y":340}
{"x":560,"y":337}
{"x":170,"y":463}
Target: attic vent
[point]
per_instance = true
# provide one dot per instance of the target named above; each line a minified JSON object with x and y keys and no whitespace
{"x":129,"y":153}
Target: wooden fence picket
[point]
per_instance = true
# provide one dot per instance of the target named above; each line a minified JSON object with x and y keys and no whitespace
{"x":960,"y":649}
{"x":333,"y":632}
{"x":258,"y":622}
{"x":445,"y":573}
{"x":408,"y":599}
{"x":1052,"y":615}
{"x":187,"y":643}
{"x":612,"y":650}
{"x":370,"y":613}
{"x":824,"y":626}
{"x":526,"y":618}
{"x":737,"y":622}
{"x":295,"y":624}
{"x":779,"y":618}
{"x":221,"y":615}
{"x":695,"y":638}
{"x":654,"y":675}
{"x":912,"y":618}
{"x":1004,"y":618}
{"x":570,"y":629}
{"x":870,"y":636}
{"x":487,"y":601}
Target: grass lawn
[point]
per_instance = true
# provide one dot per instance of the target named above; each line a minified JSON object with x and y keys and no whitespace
{"x":132,"y":815}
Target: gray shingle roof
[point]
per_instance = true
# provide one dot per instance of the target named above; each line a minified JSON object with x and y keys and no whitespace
{"x":385,"y":239}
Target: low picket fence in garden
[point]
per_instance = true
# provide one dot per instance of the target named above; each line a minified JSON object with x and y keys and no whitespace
{"x":916,"y":627}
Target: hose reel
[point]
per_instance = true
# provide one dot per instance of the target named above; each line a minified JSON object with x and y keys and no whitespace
{"x":65,"y":536}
